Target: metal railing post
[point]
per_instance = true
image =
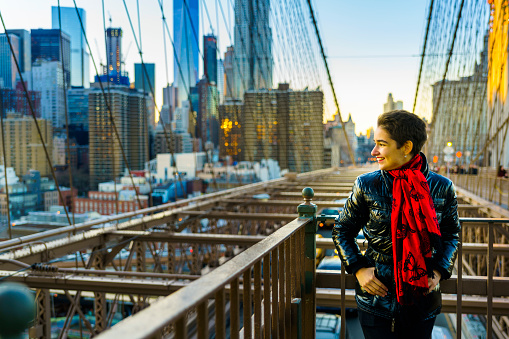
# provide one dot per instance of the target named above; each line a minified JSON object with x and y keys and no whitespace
{"x":307,"y":210}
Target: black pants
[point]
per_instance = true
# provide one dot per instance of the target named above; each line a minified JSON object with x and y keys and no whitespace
{"x":406,"y":325}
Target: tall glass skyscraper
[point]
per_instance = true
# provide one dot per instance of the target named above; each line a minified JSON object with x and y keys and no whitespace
{"x":46,"y":46}
{"x":186,"y":38}
{"x":25,"y":51}
{"x":7,"y":65}
{"x":210,"y":57}
{"x":253,"y":61}
{"x":145,"y":81}
{"x":80,"y":75}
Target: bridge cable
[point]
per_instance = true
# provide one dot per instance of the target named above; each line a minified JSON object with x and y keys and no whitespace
{"x":112,"y":120}
{"x":437,"y":105}
{"x":423,"y":52}
{"x":112,"y":145}
{"x":68,"y":146}
{"x":33,"y":115}
{"x":330,"y":80}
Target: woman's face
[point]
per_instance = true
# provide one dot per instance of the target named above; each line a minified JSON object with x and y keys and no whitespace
{"x":386,"y":151}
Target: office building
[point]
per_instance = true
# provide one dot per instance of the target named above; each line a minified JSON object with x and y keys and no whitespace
{"x":284,"y":125}
{"x":145,"y":81}
{"x":25,"y":51}
{"x":77,"y":105}
{"x":253,"y":46}
{"x":15,"y":101}
{"x":179,"y":141}
{"x":228,"y":84}
{"x":210,"y":58}
{"x":47,"y":45}
{"x":8,"y":68}
{"x":129,"y":110}
{"x":220,"y":80}
{"x":185,"y":35}
{"x":48,"y":80}
{"x":230,"y":141}
{"x":106,"y":203}
{"x":169,"y":104}
{"x":24,"y":149}
{"x":70,"y":22}
{"x":392,"y":105}
{"x":207,"y":118}
{"x":145,"y":78}
{"x":113,"y":71}
{"x":114,"y":51}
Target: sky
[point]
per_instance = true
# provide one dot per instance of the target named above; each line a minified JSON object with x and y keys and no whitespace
{"x":372,"y":49}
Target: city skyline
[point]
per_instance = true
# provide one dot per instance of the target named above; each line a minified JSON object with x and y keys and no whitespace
{"x":373,"y":57}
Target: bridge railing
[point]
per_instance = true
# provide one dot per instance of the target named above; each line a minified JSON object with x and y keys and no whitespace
{"x":278,"y":279}
{"x":266,"y":291}
{"x":485,"y":184}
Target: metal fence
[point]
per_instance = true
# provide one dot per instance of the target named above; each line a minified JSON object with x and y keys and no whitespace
{"x":266,"y":291}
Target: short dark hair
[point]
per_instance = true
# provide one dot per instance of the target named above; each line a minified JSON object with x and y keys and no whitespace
{"x":403,"y":126}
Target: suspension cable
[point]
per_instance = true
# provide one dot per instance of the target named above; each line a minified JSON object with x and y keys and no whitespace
{"x":330,"y":80}
{"x":33,"y":114}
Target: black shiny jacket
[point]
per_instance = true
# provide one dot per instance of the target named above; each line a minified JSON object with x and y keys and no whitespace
{"x":369,"y":208}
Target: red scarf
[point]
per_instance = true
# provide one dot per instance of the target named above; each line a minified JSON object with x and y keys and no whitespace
{"x":414,"y":229}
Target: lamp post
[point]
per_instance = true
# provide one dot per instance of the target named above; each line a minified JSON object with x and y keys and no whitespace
{"x":449,"y":151}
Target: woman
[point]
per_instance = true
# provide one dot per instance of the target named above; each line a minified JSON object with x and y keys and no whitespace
{"x":409,"y":218}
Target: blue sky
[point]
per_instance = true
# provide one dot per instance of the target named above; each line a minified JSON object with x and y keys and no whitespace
{"x":371,"y":44}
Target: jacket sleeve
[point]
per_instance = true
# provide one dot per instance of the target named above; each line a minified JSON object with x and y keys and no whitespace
{"x":449,"y":229}
{"x":354,"y":215}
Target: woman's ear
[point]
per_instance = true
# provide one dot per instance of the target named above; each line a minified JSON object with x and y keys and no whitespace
{"x":408,"y":146}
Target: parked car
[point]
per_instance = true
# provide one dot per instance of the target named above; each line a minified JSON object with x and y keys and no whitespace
{"x":328,"y":223}
{"x":440,"y":332}
{"x":328,"y":326}
{"x":329,"y":264}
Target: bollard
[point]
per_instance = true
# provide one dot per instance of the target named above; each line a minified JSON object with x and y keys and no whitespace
{"x":308,"y":210}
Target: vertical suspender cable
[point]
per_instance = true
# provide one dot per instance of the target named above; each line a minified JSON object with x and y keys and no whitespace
{"x":437,"y":105}
{"x":33,"y":114}
{"x":112,"y":145}
{"x":330,"y":80}
{"x":68,"y":147}
{"x":423,"y":52}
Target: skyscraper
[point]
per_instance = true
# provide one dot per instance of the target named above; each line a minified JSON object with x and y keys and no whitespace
{"x":392,"y":105}
{"x":46,"y":45}
{"x":114,"y":51}
{"x":229,"y":86}
{"x":207,"y":119}
{"x":284,"y":125}
{"x":25,"y":51}
{"x":24,"y":149}
{"x":142,"y":81}
{"x":253,"y":46}
{"x":7,"y":65}
{"x":77,"y":100}
{"x":80,"y":76}
{"x":220,"y":80}
{"x":210,"y":58}
{"x":185,"y":33}
{"x":169,"y":104}
{"x":47,"y":79}
{"x":130,"y":116}
{"x":112,"y":72}
{"x":145,"y":81}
